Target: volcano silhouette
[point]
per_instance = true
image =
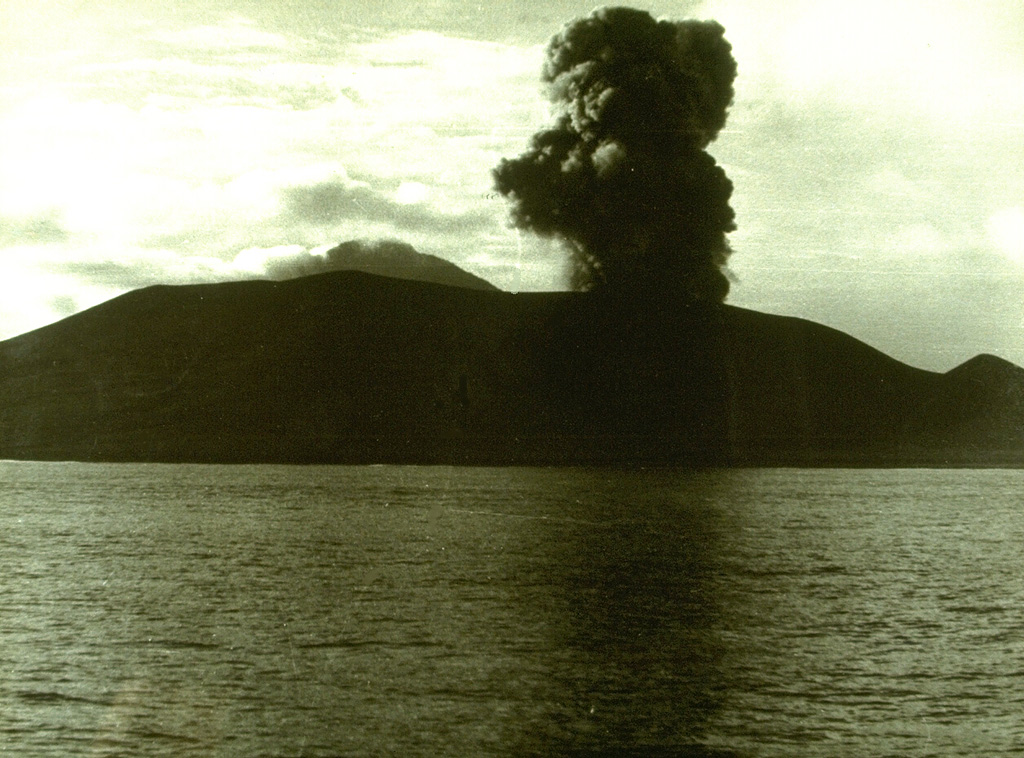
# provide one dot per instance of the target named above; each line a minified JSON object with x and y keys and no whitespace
{"x":350,"y":367}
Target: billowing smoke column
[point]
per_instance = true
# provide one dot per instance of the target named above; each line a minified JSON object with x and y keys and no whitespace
{"x":622,"y":177}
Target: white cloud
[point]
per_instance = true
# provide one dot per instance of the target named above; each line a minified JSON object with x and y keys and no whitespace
{"x":255,"y":260}
{"x":411,"y":193}
{"x":1006,"y":229}
{"x":871,"y":146}
{"x":178,"y":147}
{"x":945,"y":58}
{"x":233,"y":34}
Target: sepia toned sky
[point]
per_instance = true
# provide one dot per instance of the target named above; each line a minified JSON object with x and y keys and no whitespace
{"x":876,"y":148}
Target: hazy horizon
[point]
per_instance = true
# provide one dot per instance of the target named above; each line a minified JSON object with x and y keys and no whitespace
{"x":871,"y":148}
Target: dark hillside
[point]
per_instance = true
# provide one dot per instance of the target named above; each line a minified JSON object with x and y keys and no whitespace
{"x":355,"y":368}
{"x":328,"y":367}
{"x":804,"y":392}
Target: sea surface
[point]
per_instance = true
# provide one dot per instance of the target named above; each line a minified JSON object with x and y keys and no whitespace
{"x":150,"y":610}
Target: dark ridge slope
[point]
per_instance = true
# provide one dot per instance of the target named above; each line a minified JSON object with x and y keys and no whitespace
{"x":981,"y":407}
{"x":806,"y":393}
{"x":331,"y":367}
{"x":354,"y":368}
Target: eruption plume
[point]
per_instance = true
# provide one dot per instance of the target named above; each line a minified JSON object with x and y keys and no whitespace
{"x":622,"y":176}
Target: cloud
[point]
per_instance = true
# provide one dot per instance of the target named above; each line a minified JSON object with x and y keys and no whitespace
{"x":947,"y":58}
{"x":39,"y":229}
{"x":163,"y":146}
{"x":329,"y":203}
{"x":135,"y":269}
{"x":63,"y":305}
{"x":230,"y":36}
{"x":382,"y":257}
{"x":170,"y":82}
{"x":411,"y":193}
{"x":1006,"y":229}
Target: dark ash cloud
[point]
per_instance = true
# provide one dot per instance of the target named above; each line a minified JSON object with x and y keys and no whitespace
{"x":622,"y":178}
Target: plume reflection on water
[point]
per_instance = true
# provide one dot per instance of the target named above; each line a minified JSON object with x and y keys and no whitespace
{"x":629,"y":592}
{"x":177,"y":610}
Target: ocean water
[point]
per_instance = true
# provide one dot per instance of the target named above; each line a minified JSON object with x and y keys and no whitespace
{"x":151,"y":610}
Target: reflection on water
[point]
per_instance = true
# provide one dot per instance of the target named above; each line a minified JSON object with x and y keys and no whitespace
{"x":628,"y":587}
{"x":240,"y":611}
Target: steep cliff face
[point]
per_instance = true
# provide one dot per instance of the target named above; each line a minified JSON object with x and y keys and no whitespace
{"x":350,"y":367}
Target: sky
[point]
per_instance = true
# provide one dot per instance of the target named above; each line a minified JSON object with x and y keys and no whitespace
{"x":876,"y":148}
